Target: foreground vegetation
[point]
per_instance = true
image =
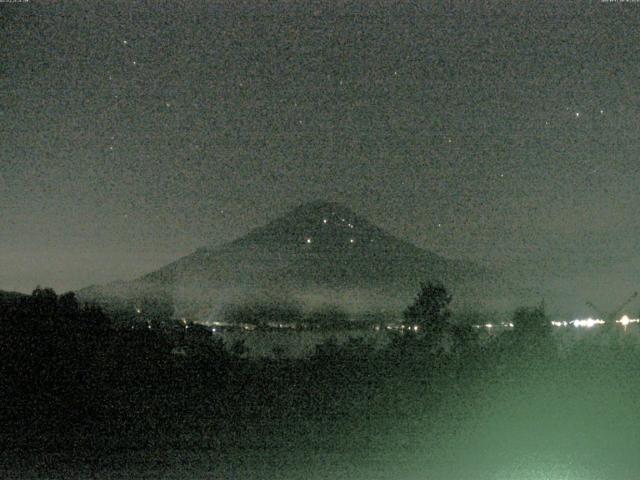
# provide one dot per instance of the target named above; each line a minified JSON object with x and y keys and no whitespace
{"x":76,"y":384}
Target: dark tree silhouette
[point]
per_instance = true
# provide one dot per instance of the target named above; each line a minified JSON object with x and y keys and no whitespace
{"x":94,"y":318}
{"x":44,"y":305}
{"x":328,"y":349}
{"x":238,"y":348}
{"x":531,"y":322}
{"x":430,"y":309}
{"x":278,"y":352}
{"x":464,"y":337}
{"x":69,"y":308}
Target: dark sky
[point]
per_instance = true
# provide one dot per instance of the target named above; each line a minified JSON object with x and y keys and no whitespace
{"x":133,"y":132}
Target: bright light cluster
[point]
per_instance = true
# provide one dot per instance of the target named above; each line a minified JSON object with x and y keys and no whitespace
{"x":489,"y":326}
{"x":325,"y":221}
{"x":578,"y":323}
{"x":625,"y":320}
{"x":587,"y":322}
{"x":592,"y":322}
{"x":400,"y":326}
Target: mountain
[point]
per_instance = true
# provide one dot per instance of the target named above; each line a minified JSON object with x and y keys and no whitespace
{"x":316,"y":254}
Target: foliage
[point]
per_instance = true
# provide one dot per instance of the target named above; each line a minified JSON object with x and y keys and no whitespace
{"x":238,"y":348}
{"x":464,"y":337}
{"x":531,"y":322}
{"x":114,"y":382}
{"x":328,"y":349}
{"x":430,"y":309}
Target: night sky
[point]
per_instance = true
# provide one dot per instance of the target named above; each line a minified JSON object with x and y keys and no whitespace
{"x":132,"y":133}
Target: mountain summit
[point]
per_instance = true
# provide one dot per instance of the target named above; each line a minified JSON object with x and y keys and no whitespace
{"x":325,"y":227}
{"x":317,"y":253}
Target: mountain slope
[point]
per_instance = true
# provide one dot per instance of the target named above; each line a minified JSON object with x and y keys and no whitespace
{"x":318,"y":253}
